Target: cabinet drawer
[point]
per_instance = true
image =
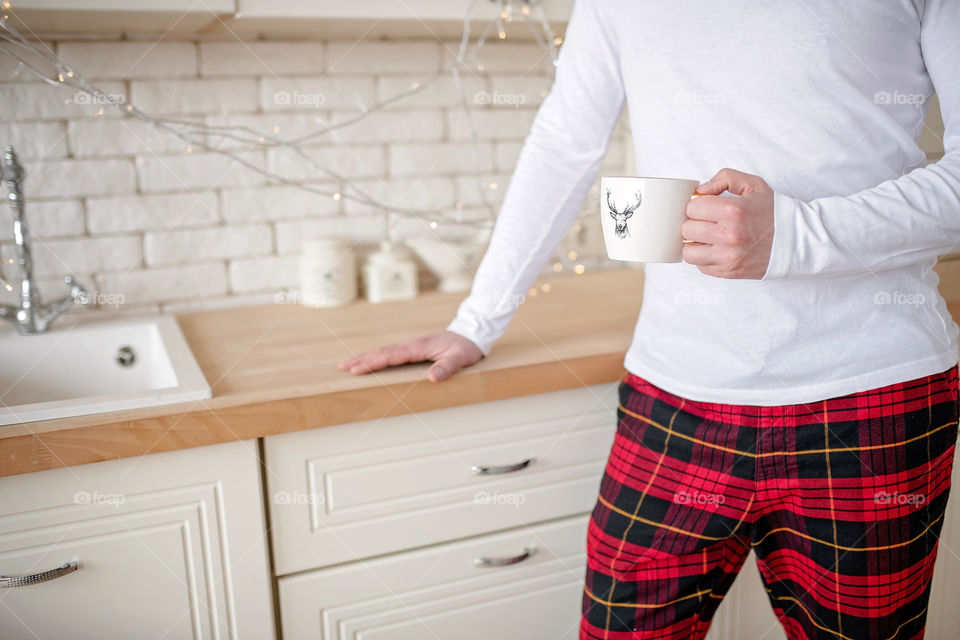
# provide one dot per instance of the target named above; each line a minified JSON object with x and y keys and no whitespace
{"x":363,"y":489}
{"x":150,"y":539}
{"x":439,"y":592}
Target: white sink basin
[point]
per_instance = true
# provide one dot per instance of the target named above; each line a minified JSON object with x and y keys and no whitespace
{"x":74,"y":369}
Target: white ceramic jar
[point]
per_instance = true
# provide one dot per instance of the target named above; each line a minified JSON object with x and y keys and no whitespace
{"x":390,"y":274}
{"x":328,"y":272}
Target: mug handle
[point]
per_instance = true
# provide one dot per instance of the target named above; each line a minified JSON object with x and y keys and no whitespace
{"x":685,"y":241}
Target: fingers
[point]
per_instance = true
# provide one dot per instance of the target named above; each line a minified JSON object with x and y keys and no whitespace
{"x":709,"y":208}
{"x":390,"y":355}
{"x":700,"y":255}
{"x":733,"y":181}
{"x":700,"y":231}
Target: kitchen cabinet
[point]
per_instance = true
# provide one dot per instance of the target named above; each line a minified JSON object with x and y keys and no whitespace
{"x":167,"y":545}
{"x":167,"y":16}
{"x":445,"y":592}
{"x":477,"y":515}
{"x":381,"y":486}
{"x":372,"y":18}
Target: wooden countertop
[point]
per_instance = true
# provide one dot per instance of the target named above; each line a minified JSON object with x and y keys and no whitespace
{"x":272,"y":369}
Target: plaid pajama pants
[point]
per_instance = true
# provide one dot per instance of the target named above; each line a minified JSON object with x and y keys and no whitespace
{"x":842,"y":501}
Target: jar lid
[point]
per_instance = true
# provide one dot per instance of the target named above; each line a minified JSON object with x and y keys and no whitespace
{"x":390,"y":252}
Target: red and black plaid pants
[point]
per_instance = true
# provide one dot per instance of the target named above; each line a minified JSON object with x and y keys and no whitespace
{"x":842,"y":501}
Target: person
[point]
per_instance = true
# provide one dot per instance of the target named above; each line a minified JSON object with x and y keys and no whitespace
{"x":791,"y":386}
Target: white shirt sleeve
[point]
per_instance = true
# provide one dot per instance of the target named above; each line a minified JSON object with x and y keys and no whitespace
{"x":558,"y":162}
{"x":899,"y":222}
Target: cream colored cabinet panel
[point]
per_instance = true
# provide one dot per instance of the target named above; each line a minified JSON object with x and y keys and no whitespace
{"x":358,"y":490}
{"x":170,"y":545}
{"x":158,"y":16}
{"x":440,"y":592}
{"x":374,"y":18}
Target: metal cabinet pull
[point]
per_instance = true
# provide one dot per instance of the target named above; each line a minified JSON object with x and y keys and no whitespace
{"x":37,"y":578}
{"x":503,"y":562}
{"x":479,"y":470}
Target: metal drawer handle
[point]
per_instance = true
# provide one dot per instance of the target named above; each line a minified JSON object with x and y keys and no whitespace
{"x":479,"y":470}
{"x":503,"y":562}
{"x":37,"y":578}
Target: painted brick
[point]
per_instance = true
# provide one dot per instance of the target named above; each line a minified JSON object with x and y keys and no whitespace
{"x":346,"y":161}
{"x":442,"y":92}
{"x":54,"y":258}
{"x":194,"y":96}
{"x":77,"y":178}
{"x":114,"y":60}
{"x":140,"y":213}
{"x":275,"y":203}
{"x":197,"y":171}
{"x":390,"y":126}
{"x":260,"y":274}
{"x":350,"y":56}
{"x":42,"y":102}
{"x":197,"y":245}
{"x":49,"y":219}
{"x":174,"y":283}
{"x":260,"y":58}
{"x":316,"y":93}
{"x":119,"y":137}
{"x":439,"y":158}
{"x":491,"y":124}
{"x":39,"y":140}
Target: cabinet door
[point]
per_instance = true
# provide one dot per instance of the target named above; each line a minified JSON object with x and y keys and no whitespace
{"x":357,"y":490}
{"x":440,"y":592}
{"x":168,"y":545}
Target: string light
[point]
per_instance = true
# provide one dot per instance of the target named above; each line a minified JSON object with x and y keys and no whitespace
{"x":579,"y":269}
{"x":545,"y":288}
{"x":207,"y":137}
{"x":558,"y":266}
{"x":572,"y":255}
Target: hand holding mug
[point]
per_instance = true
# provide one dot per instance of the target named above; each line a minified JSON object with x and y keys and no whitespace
{"x":730,"y":237}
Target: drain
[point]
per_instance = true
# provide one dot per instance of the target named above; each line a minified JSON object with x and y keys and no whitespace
{"x":126,"y":356}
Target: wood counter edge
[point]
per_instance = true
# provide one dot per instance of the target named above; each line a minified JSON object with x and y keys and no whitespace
{"x":130,"y":438}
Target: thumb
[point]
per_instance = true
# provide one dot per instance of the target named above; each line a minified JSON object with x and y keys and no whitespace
{"x":730,"y":180}
{"x":444,"y":367}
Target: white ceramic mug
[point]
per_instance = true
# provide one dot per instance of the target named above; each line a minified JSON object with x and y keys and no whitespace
{"x":641,"y":217}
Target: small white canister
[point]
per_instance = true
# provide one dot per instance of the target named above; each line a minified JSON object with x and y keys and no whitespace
{"x":390,"y":274}
{"x":328,"y":272}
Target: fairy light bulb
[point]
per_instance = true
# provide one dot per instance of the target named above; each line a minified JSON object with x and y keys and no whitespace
{"x":579,"y":269}
{"x":532,"y":293}
{"x":525,"y":10}
{"x":558,"y":266}
{"x":572,"y":255}
{"x":337,"y":196}
{"x":545,"y":288}
{"x":434,"y":224}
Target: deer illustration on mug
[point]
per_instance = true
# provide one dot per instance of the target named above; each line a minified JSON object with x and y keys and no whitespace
{"x":620,"y":217}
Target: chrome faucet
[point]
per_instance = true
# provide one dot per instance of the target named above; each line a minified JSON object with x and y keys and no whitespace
{"x":30,"y":316}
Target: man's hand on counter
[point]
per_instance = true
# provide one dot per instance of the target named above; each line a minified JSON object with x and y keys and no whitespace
{"x":449,"y":351}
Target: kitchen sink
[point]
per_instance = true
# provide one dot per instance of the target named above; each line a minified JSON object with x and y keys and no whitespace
{"x":83,"y":366}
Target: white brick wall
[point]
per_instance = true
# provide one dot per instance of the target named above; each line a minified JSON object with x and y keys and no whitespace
{"x":130,"y":211}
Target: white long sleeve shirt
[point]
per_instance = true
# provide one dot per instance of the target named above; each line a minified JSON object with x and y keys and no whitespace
{"x":824,"y":100}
